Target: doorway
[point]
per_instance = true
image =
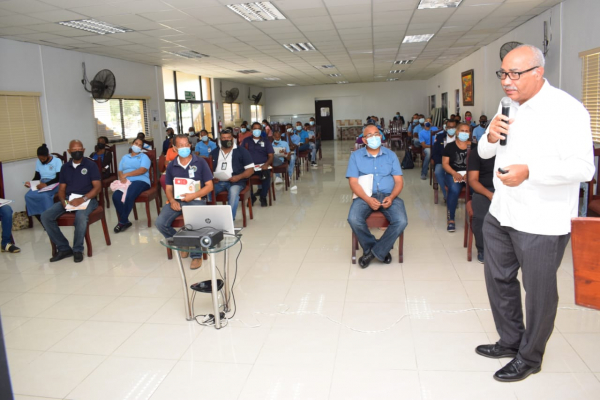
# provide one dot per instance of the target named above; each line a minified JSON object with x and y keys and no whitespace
{"x":182,"y":115}
{"x":324,"y":118}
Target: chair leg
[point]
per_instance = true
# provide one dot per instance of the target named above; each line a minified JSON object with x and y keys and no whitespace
{"x":30,"y":222}
{"x":287,"y":180}
{"x":88,"y":241}
{"x":105,"y":229}
{"x":250,"y":208}
{"x":466,"y":228}
{"x":273,"y":189}
{"x":270,"y":197}
{"x":470,"y":244}
{"x":243,"y":204}
{"x":158,"y":203}
{"x":435,"y":194}
{"x":148,"y":214}
{"x":401,"y":248}
{"x":169,"y":254}
{"x":353,"y":248}
{"x":135,"y":212}
{"x":106,"y":197}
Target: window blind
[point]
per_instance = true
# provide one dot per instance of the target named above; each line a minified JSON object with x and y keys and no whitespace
{"x":21,"y":130}
{"x":591,"y":89}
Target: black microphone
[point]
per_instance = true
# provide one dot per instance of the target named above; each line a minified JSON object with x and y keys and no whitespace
{"x":506,"y":102}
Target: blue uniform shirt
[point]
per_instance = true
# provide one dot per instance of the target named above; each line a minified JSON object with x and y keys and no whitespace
{"x":205,"y":148}
{"x":259,"y":150}
{"x":304,"y":136}
{"x":425,"y":136}
{"x":48,"y":171}
{"x":79,"y":180}
{"x":284,"y":144}
{"x":197,"y":170}
{"x":131,"y":163}
{"x":417,"y":129}
{"x":478,"y":132}
{"x":383,"y":167}
{"x":295,"y":139}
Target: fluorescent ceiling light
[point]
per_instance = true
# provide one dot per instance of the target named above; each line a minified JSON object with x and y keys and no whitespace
{"x":391,"y":79}
{"x":418,"y":38}
{"x":272,"y":79}
{"x":91,"y":25}
{"x":397,"y":71}
{"x":291,"y":84}
{"x":429,"y":4}
{"x":248,"y":71}
{"x":342,"y":82}
{"x":257,"y":12}
{"x":294,"y":47}
{"x":327,"y":66}
{"x":335,"y":75}
{"x":188,"y":54}
{"x":399,"y":62}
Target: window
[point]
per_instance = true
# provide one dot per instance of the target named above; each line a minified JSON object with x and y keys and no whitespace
{"x":231,"y":113}
{"x":119,"y":119}
{"x":21,"y":131}
{"x":257,"y":113}
{"x":591,"y":89}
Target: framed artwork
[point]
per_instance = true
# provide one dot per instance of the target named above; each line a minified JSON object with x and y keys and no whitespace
{"x":468,"y":88}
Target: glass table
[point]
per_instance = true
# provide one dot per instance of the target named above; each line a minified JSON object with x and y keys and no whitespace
{"x":222,"y":247}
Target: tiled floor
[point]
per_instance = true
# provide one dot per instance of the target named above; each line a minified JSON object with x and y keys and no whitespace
{"x":113,"y":327}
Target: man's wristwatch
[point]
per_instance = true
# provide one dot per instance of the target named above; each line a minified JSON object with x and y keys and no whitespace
{"x":85,"y":198}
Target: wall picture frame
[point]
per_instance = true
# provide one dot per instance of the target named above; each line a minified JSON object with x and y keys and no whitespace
{"x":468,"y":87}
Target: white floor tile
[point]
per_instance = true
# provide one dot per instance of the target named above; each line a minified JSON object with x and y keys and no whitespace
{"x":159,"y":341}
{"x":359,"y":385}
{"x":79,"y":307}
{"x":39,"y":333}
{"x":96,"y":337}
{"x":130,"y":309}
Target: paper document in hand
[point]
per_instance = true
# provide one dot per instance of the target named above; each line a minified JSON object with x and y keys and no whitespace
{"x":259,"y":167}
{"x":279,"y":150}
{"x":33,"y":185}
{"x":82,"y":206}
{"x":366,"y":182}
{"x":183,"y":186}
{"x":48,"y":188}
{"x":4,"y":202}
{"x":222,"y":176}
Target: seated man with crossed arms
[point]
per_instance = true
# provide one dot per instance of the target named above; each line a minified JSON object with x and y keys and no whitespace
{"x":383,"y":164}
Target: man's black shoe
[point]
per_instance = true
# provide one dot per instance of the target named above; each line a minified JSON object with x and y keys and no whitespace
{"x":515,"y":371}
{"x":365,"y":260}
{"x":263,"y":201}
{"x":61,"y":254}
{"x":78,"y":257}
{"x":387,"y":259}
{"x":495,"y":351}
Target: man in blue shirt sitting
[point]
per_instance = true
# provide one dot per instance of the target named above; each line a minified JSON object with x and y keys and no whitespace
{"x":261,"y":151}
{"x":383,"y":165}
{"x":480,"y":129}
{"x":283,"y":156}
{"x":425,"y":142}
{"x":204,"y":146}
{"x":305,"y":144}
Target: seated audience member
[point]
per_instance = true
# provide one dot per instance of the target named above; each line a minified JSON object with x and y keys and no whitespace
{"x":267,"y":128}
{"x":448,"y":135}
{"x":413,"y":123}
{"x":383,"y":164}
{"x":313,"y":127}
{"x":189,"y":166}
{"x":293,"y":138}
{"x":133,"y":171}
{"x":469,"y":120}
{"x":167,"y":143}
{"x":47,"y":171}
{"x":80,"y":177}
{"x":481,"y":176}
{"x":232,"y":166}
{"x":146,"y":146}
{"x":105,"y":156}
{"x":244,"y":133}
{"x":261,"y":151}
{"x":425,"y":142}
{"x":305,"y":144}
{"x":416,"y":142}
{"x":6,"y":218}
{"x":205,"y":146}
{"x":454,"y":161}
{"x":287,"y":155}
{"x":312,"y":140}
{"x":193,"y":137}
{"x":479,"y":130}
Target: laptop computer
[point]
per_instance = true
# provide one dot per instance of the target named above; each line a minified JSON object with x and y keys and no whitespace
{"x":216,"y":217}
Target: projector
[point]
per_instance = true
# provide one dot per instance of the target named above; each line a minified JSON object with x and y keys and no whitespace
{"x":204,"y":237}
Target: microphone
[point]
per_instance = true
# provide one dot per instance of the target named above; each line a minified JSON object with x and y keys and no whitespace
{"x":506,"y":102}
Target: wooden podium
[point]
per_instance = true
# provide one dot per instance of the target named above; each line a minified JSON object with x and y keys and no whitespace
{"x":585,"y":243}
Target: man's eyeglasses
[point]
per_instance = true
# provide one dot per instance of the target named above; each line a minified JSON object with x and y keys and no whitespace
{"x":513,"y":75}
{"x":372,"y":135}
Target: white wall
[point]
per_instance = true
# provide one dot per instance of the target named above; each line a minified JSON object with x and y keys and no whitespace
{"x":67,"y":109}
{"x":242,"y":99}
{"x":350,"y":101}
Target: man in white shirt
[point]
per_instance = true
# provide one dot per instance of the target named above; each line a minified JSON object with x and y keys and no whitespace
{"x":529,"y":222}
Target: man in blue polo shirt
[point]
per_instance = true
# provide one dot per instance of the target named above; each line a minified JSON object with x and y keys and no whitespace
{"x":383,"y":165}
{"x":281,"y":158}
{"x":425,"y":141}
{"x":479,"y":130}
{"x":305,"y":143}
{"x":189,"y":166}
{"x":204,"y":146}
{"x":261,"y":151}
{"x":79,"y":177}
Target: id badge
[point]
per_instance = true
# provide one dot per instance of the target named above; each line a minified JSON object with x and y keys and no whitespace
{"x":262,"y":144}
{"x":223,"y":166}
{"x":191,"y":173}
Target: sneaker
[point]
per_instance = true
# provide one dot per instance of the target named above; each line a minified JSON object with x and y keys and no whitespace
{"x":196,"y":263}
{"x":278,"y":180}
{"x":480,"y":256}
{"x":11,"y":248}
{"x":451,"y":227}
{"x":314,"y":164}
{"x":423,"y":177}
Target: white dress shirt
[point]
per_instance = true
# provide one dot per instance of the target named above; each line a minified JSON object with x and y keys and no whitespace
{"x":559,"y":157}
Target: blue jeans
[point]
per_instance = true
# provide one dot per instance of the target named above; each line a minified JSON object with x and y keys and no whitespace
{"x":50,"y":216}
{"x":167,"y":216}
{"x":395,"y":214}
{"x":440,"y":176}
{"x":425,"y":168}
{"x":124,"y":208}
{"x":454,"y":189}
{"x":265,"y":184}
{"x":6,"y":214}
{"x":233,"y":193}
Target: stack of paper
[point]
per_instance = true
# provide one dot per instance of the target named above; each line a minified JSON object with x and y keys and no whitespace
{"x":366,"y":182}
{"x":82,"y":206}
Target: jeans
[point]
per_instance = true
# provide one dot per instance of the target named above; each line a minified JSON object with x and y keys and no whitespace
{"x":440,"y":176}
{"x":167,"y":216}
{"x":6,"y":214}
{"x":233,"y":193}
{"x":395,"y":214}
{"x":50,"y":216}
{"x":277,"y":161}
{"x":265,"y":183}
{"x":313,"y":148}
{"x":124,"y":208}
{"x":416,"y":142}
{"x":425,"y":168}
{"x":481,"y":206}
{"x":292,"y":165}
{"x":454,"y":189}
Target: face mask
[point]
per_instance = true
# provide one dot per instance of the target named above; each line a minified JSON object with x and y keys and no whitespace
{"x":135,"y":149}
{"x":184,"y":152}
{"x":298,"y":128}
{"x":312,"y":122}
{"x":374,"y":142}
{"x":100,"y":146}
{"x":427,"y":124}
{"x":204,"y":138}
{"x":264,"y":125}
{"x":415,"y":121}
{"x":77,"y":155}
{"x":467,"y":118}
{"x":422,"y":120}
{"x":227,"y":144}
{"x":46,"y":161}
{"x":463,"y":136}
{"x":483,"y":124}
{"x":276,"y":141}
{"x":256,"y":133}
{"x":451,"y":131}
{"x":243,"y":130}
{"x":290,"y":130}
{"x":444,"y":126}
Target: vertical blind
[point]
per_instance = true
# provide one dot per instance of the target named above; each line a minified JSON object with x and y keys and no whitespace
{"x":591,"y":89}
{"x":21,"y":131}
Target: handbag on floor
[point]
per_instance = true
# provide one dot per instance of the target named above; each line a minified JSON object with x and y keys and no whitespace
{"x":407,"y":161}
{"x":20,"y":221}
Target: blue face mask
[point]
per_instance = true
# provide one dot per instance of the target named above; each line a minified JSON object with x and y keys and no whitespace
{"x":290,"y":130}
{"x":298,"y":128}
{"x":427,"y":125}
{"x":136,"y":149}
{"x":463,"y":136}
{"x":451,"y":131}
{"x":256,"y":133}
{"x":184,"y":152}
{"x":422,"y":120}
{"x":243,"y":130}
{"x":276,"y":141}
{"x":374,"y":142}
{"x":204,"y":138}
{"x":312,"y":122}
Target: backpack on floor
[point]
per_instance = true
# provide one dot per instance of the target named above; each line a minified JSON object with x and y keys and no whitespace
{"x":407,"y":161}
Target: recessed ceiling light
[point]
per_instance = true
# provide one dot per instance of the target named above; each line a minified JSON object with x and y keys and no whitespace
{"x":294,"y":47}
{"x":397,"y":71}
{"x":399,"y":62}
{"x":91,"y":25}
{"x":272,"y":79}
{"x":328,"y":66}
{"x":291,"y":84}
{"x":248,"y":71}
{"x":391,"y":79}
{"x":417,"y":38}
{"x":188,"y":54}
{"x":335,"y":75}
{"x":342,"y":82}
{"x":429,"y":4}
{"x":257,"y":12}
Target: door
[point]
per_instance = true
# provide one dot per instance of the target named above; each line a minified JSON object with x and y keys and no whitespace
{"x":324,"y":118}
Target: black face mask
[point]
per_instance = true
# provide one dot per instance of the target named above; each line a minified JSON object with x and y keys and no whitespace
{"x":77,"y":155}
{"x":227,"y":144}
{"x":46,"y":162}
{"x":483,"y":124}
{"x":100,"y":146}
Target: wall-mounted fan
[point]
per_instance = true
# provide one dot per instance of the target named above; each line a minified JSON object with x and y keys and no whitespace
{"x":254,"y":98}
{"x":102,"y":87}
{"x":229,"y":97}
{"x":507,"y":47}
